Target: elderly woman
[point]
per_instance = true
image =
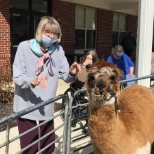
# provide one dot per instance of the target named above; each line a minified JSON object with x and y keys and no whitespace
{"x":123,"y":62}
{"x":38,"y":64}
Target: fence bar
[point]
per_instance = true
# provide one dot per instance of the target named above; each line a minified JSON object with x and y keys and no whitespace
{"x":135,"y":79}
{"x":69,"y":119}
{"x":7,"y":137}
{"x":65,"y":131}
{"x":30,"y":109}
{"x":67,"y":140}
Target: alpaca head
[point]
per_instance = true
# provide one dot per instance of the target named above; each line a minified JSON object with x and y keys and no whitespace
{"x":102,"y":82}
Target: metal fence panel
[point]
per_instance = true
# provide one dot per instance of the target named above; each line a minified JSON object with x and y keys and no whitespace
{"x":73,"y":138}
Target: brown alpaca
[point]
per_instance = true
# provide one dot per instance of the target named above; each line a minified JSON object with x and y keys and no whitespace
{"x":130,"y":131}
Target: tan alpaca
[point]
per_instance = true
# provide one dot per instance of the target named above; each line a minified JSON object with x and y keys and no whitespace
{"x":130,"y":131}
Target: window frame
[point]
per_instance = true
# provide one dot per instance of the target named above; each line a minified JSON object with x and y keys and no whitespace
{"x":118,"y":30}
{"x":85,"y":28}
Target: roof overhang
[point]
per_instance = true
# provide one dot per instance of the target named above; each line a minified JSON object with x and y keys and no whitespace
{"x":121,"y":6}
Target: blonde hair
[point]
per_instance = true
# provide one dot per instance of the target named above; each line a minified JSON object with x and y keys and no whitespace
{"x":55,"y":27}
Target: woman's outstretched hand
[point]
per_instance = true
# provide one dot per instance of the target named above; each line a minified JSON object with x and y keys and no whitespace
{"x":75,"y":68}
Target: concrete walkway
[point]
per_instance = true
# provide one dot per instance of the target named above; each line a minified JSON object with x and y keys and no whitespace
{"x":15,"y":146}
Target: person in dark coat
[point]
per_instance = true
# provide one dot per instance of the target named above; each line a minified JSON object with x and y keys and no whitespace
{"x":129,"y":44}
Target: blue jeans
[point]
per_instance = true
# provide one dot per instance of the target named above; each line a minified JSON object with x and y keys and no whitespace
{"x":127,"y":77}
{"x":131,"y":82}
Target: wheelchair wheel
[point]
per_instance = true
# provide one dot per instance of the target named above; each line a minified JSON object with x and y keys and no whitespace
{"x":79,"y":112}
{"x":122,"y":85}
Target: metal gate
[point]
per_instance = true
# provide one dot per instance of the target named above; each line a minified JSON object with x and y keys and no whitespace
{"x":60,"y":138}
{"x":73,"y":139}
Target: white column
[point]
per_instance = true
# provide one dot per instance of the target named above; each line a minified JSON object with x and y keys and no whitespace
{"x":144,"y":40}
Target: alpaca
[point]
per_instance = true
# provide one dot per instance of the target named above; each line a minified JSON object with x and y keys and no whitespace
{"x":119,"y":122}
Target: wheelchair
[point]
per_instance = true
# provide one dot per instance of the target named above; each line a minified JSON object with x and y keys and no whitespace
{"x":152,"y":81}
{"x":122,"y":86}
{"x":79,"y":112}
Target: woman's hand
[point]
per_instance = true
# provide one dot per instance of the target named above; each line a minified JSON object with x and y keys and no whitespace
{"x":75,"y":68}
{"x":87,"y":61}
{"x":131,"y":74}
{"x":40,"y":81}
{"x":131,"y":71}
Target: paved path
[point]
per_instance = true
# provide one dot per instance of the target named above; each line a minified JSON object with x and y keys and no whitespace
{"x":15,"y":146}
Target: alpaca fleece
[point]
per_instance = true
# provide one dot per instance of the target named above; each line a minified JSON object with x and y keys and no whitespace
{"x":129,"y":132}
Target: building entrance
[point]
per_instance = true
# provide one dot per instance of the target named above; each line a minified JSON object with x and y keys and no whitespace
{"x":24,"y":20}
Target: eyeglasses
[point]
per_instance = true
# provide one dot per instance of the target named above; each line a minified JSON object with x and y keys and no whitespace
{"x":48,"y":32}
{"x":119,"y":51}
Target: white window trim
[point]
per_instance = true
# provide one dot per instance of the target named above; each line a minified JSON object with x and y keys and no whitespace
{"x":84,"y":28}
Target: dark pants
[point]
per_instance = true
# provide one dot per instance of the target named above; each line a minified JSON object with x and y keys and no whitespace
{"x":24,"y":125}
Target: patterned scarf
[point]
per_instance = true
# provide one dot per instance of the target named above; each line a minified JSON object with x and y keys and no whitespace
{"x":50,"y":64}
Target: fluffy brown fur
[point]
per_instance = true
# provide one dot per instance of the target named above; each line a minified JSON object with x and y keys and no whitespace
{"x":126,"y":132}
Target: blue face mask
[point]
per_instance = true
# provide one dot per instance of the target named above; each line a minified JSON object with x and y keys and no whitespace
{"x":120,"y":54}
{"x":48,"y":41}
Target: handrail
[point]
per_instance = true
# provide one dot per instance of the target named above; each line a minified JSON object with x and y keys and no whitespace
{"x":30,"y":109}
{"x":68,"y":114}
{"x":138,"y":78}
{"x":8,"y":119}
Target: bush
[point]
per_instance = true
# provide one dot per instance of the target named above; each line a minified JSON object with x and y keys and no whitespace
{"x":6,"y":85}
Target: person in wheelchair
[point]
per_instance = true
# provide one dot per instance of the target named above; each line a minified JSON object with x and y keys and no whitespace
{"x":89,"y":58}
{"x":124,"y":63}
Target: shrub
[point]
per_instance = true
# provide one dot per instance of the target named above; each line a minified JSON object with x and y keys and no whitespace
{"x":6,"y":85}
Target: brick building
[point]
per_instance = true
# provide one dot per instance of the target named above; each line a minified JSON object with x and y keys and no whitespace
{"x":84,"y":28}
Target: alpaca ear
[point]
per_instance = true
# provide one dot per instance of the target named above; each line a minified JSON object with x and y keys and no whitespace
{"x":90,"y":80}
{"x":121,"y":73}
{"x":118,"y":72}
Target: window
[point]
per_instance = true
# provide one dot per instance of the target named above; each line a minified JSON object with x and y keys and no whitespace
{"x":35,"y":5}
{"x":20,"y":29}
{"x":39,"y":5}
{"x":85,"y":28}
{"x":118,"y":28}
{"x":25,"y":16}
{"x":19,"y":4}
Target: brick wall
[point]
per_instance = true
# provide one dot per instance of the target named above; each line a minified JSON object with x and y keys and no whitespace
{"x":4,"y":32}
{"x":104,"y":33}
{"x":132,"y":25}
{"x":65,"y":14}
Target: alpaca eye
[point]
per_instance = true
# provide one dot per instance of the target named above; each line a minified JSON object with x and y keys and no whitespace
{"x":112,"y":77}
{"x":91,"y":77}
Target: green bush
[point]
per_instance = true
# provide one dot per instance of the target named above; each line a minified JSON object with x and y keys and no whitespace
{"x":6,"y":85}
